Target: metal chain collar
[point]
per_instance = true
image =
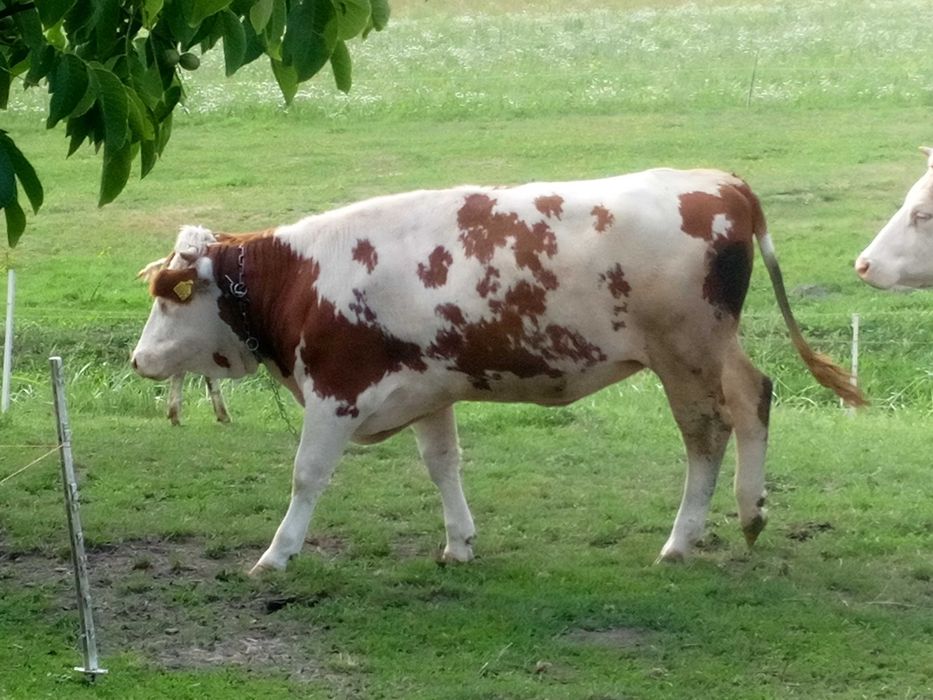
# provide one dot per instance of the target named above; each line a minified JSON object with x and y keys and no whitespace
{"x":237,"y":289}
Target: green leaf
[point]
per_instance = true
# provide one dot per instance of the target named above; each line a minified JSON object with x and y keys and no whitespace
{"x":68,"y":83}
{"x":29,"y":27}
{"x":287,"y":79}
{"x":151,"y":10}
{"x":41,"y":63}
{"x":140,"y":121}
{"x":116,"y":172}
{"x":234,"y":42}
{"x":149,"y":154}
{"x":111,"y":96}
{"x":353,"y":16}
{"x":52,"y":11}
{"x":196,"y":11}
{"x":7,"y":175}
{"x":24,"y":171}
{"x":79,"y":128}
{"x":15,"y":222}
{"x":310,"y":37}
{"x":5,"y":80}
{"x":165,"y":133}
{"x":275,"y":29}
{"x":380,"y":14}
{"x":260,"y":14}
{"x":342,"y":67}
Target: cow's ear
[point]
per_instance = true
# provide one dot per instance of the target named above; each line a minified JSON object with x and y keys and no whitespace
{"x":151,"y":269}
{"x":929,"y":154}
{"x":175,"y":285}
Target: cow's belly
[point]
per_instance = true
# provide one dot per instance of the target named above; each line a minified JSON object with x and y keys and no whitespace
{"x":546,"y":390}
{"x":405,"y":400}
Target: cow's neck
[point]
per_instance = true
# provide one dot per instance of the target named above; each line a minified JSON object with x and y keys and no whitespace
{"x":265,"y":290}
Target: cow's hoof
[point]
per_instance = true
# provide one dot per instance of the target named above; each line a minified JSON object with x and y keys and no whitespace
{"x":671,"y":556}
{"x":754,"y":528}
{"x":457,"y":553}
{"x":261,"y":567}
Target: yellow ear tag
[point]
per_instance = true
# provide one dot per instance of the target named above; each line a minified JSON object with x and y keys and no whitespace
{"x":183,"y":289}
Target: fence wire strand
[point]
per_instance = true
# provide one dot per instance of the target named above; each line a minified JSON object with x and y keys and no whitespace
{"x":31,"y":464}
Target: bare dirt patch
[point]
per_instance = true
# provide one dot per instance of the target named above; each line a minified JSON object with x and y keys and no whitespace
{"x":614,"y":637}
{"x":183,"y":604}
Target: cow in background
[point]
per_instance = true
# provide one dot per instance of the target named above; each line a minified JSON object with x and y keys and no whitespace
{"x":901,"y":255}
{"x":383,"y":314}
{"x":177,"y":382}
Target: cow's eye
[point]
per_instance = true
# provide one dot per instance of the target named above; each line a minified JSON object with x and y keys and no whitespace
{"x":923,"y":216}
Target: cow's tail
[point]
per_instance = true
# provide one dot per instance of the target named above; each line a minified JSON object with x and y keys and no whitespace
{"x":826,"y":372}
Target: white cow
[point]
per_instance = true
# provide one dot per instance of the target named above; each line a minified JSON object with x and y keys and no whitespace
{"x":383,"y":314}
{"x":177,"y":382}
{"x":901,"y":255}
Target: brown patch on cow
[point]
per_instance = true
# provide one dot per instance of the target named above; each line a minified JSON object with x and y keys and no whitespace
{"x":434,"y":274}
{"x":728,"y":275}
{"x":221,"y":360}
{"x":514,"y":338}
{"x":490,"y":282}
{"x":482,"y":231}
{"x":343,"y":357}
{"x":764,"y":404}
{"x":604,"y":218}
{"x":361,"y":308}
{"x":550,"y":206}
{"x":174,"y":285}
{"x":450,"y":313}
{"x":615,"y":280}
{"x":735,"y":202}
{"x":365,"y":254}
{"x":729,"y":258}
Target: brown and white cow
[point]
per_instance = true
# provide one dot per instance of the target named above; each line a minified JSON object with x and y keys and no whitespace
{"x":901,"y":255}
{"x":383,"y":314}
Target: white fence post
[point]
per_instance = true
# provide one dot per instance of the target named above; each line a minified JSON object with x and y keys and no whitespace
{"x":8,"y":341}
{"x":855,"y":340}
{"x":78,"y":555}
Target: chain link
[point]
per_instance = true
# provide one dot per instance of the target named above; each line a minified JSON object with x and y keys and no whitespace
{"x":237,"y":289}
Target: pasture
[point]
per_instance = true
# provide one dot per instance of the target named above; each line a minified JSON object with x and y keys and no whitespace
{"x":818,"y":105}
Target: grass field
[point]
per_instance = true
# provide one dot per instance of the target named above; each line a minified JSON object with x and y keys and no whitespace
{"x":818,"y":105}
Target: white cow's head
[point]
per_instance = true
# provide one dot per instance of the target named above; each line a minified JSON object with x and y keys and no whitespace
{"x":902,"y":253}
{"x":185,"y":332}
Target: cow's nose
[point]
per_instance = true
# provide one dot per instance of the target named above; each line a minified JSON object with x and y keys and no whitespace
{"x":133,"y":360}
{"x":861,"y":266}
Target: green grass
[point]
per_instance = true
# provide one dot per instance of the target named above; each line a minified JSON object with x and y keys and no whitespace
{"x":573,"y":504}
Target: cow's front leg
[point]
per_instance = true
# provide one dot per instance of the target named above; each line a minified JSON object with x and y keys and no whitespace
{"x":437,"y":441}
{"x":323,"y":438}
{"x":217,"y":400}
{"x":176,"y":385}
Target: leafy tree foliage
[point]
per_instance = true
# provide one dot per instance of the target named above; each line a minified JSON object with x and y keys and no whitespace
{"x":112,"y":68}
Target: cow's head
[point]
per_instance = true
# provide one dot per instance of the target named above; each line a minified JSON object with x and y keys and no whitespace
{"x":902,"y":253}
{"x":185,"y":332}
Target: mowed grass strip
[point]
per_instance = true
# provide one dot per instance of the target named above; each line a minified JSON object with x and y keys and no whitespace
{"x":572,"y":505}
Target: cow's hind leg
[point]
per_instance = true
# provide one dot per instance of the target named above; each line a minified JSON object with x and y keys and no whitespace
{"x":437,"y":441}
{"x":696,"y":399}
{"x":748,"y":397}
{"x":323,"y":439}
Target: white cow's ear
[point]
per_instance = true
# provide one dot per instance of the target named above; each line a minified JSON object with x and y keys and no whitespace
{"x":149,"y":270}
{"x":929,"y":154}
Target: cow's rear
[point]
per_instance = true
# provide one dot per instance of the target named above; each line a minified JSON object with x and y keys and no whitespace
{"x":385,"y":313}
